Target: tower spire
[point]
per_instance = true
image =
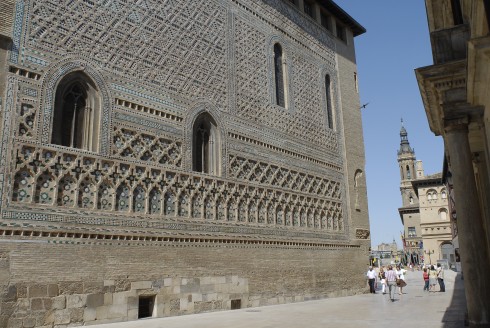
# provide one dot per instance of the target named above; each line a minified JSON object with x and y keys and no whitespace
{"x":404,"y":144}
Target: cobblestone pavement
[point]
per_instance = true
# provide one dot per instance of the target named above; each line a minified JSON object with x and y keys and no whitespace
{"x":415,"y":308}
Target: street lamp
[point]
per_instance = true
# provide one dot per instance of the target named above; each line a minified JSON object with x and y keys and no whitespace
{"x":429,"y":252}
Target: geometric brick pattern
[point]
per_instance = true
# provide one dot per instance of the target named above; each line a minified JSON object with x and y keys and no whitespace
{"x":141,"y":39}
{"x":46,"y":176}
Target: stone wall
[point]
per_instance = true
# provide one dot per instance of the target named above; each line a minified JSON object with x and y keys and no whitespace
{"x":60,"y":283}
{"x":88,"y":232}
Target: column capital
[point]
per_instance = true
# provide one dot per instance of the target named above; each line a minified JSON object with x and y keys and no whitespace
{"x":456,"y":124}
{"x":458,"y":115}
{"x":458,"y":109}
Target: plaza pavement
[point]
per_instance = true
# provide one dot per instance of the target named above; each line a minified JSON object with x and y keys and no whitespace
{"x":415,"y":308}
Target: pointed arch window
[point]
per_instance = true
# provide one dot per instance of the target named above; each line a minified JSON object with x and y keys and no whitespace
{"x":76,"y":113}
{"x":328,"y":97}
{"x":409,"y":175}
{"x":280,"y":76}
{"x":206,"y":145}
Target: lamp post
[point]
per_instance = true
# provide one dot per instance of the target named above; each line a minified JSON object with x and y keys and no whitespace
{"x":429,"y":252}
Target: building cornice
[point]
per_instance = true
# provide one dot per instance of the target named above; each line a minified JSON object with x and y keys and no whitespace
{"x":356,"y":28}
{"x":433,"y":83}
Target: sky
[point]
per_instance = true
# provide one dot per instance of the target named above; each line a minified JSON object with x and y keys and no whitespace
{"x":396,"y":42}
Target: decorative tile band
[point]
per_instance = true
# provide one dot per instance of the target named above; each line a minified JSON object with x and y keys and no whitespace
{"x":19,"y":18}
{"x":74,"y":237}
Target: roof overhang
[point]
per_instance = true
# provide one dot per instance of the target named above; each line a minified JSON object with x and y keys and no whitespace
{"x":345,"y":18}
{"x":427,"y":182}
{"x":406,"y":210}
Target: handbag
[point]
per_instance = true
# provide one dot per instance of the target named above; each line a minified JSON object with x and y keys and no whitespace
{"x":400,"y":283}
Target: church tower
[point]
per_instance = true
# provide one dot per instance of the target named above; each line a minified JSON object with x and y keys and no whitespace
{"x":407,"y":165}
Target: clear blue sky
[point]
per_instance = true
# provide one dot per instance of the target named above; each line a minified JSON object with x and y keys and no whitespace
{"x":396,"y":42}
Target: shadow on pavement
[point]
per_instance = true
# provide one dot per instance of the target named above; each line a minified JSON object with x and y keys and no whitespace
{"x":456,"y":311}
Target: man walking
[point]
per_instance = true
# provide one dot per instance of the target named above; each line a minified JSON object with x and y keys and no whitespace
{"x":371,"y":275}
{"x":391,"y":281}
{"x":440,"y":277}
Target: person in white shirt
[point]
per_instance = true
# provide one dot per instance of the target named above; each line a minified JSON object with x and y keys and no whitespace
{"x":400,"y":272}
{"x":440,"y":277}
{"x":371,"y":275}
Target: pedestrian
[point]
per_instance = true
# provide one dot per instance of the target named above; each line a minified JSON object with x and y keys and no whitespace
{"x":440,"y":277}
{"x":382,"y":279}
{"x":391,"y":282}
{"x":426,"y":279}
{"x":432,"y":278}
{"x":371,"y":275}
{"x":400,"y":272}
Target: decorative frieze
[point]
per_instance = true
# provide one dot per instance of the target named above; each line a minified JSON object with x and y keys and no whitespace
{"x":50,"y":177}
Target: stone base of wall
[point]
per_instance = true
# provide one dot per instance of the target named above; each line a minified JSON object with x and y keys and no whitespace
{"x":53,"y":285}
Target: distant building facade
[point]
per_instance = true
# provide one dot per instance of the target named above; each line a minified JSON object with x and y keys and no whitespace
{"x":409,"y":212}
{"x":456,"y":97}
{"x":391,"y":247}
{"x":163,"y":158}
{"x":435,"y":222}
{"x":427,"y":235}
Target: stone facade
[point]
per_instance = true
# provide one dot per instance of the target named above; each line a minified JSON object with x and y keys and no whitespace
{"x":410,"y":170}
{"x":115,"y":212}
{"x":427,"y":227}
{"x":435,"y":219}
{"x":456,"y":100}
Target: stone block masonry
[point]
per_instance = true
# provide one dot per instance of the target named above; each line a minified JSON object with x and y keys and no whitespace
{"x":183,"y":279}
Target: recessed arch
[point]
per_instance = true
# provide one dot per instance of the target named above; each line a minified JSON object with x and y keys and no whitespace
{"x":280,"y":70}
{"x":329,"y":102}
{"x":207,"y":113}
{"x":55,"y":77}
{"x":443,"y":214}
{"x":280,"y":76}
{"x":206,"y":145}
{"x":77,"y":113}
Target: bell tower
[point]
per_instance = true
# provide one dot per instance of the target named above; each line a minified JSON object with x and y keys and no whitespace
{"x":406,"y":164}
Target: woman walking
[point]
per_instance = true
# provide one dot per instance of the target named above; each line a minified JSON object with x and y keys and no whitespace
{"x":432,"y":279}
{"x":382,"y":279}
{"x":401,"y":279}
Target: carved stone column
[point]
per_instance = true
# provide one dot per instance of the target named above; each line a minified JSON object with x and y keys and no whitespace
{"x":472,"y":240}
{"x":483,"y":184}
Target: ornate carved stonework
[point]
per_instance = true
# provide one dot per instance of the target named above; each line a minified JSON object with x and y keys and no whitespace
{"x":186,"y":155}
{"x":362,"y":234}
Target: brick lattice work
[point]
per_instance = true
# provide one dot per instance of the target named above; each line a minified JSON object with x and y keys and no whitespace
{"x":177,"y":181}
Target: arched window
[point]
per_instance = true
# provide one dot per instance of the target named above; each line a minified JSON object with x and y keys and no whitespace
{"x":409,"y":176}
{"x":410,"y":197}
{"x":431,"y":195}
{"x":328,"y":96}
{"x":443,"y":194}
{"x":279,"y":76}
{"x":206,"y":145}
{"x":443,"y":214}
{"x":76,"y":113}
